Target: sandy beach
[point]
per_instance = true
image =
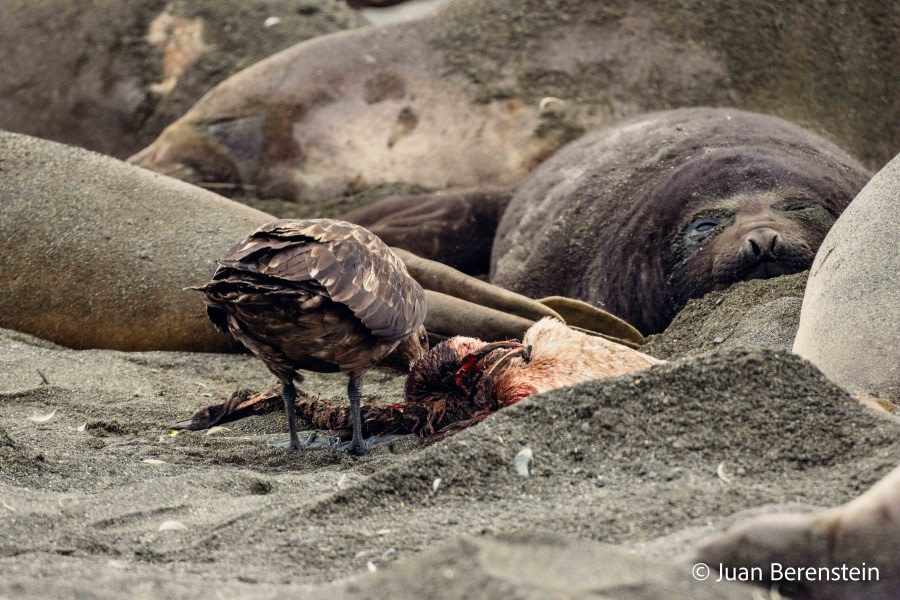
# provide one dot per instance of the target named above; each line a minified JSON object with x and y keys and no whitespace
{"x":100,"y":498}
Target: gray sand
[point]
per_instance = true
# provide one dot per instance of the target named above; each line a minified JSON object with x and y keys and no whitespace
{"x":757,"y":313}
{"x":630,"y":461}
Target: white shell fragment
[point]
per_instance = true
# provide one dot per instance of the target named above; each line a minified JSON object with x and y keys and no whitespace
{"x":549,"y":104}
{"x":172,"y":526}
{"x":42,"y":418}
{"x":435,"y":484}
{"x":524,"y":461}
{"x":271,"y":21}
{"x":81,"y":428}
{"x":720,"y":471}
{"x":153,"y":461}
{"x":371,"y":566}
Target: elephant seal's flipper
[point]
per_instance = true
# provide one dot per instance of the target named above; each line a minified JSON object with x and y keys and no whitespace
{"x":581,"y":315}
{"x":438,"y":277}
{"x":863,"y":535}
{"x":449,"y":316}
{"x":456,"y":227}
{"x":459,"y":304}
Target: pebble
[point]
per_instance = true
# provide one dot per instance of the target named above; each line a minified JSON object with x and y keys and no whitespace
{"x":524,"y":461}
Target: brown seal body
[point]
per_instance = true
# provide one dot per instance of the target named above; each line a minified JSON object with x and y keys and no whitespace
{"x":455,"y":227}
{"x":109,"y":75}
{"x":96,"y":253}
{"x":482,"y":91}
{"x":641,"y":217}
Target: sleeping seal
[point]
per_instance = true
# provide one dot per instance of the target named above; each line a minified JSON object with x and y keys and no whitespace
{"x":109,"y":75}
{"x":96,"y":253}
{"x":641,"y":217}
{"x":482,"y":91}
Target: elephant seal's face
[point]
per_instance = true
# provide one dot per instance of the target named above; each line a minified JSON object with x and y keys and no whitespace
{"x":751,"y":235}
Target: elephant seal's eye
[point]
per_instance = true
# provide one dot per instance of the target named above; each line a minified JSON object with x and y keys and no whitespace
{"x":705,"y":225}
{"x":702,"y":227}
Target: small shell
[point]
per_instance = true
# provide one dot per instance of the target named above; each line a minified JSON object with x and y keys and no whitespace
{"x":550,"y":104}
{"x":524,"y":461}
{"x":42,"y":418}
{"x":172,"y":526}
{"x":720,"y":471}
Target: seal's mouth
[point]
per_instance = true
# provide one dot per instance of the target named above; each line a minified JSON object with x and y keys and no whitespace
{"x":765,"y":268}
{"x":768,"y":268}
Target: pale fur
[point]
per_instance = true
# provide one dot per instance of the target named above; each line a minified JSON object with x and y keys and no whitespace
{"x":561,"y":356}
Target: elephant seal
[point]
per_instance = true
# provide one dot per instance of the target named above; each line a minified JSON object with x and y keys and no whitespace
{"x":455,"y":227}
{"x":843,"y":553}
{"x":109,"y":75}
{"x":641,"y":217}
{"x":850,"y":318}
{"x":96,"y":253}
{"x":482,"y":91}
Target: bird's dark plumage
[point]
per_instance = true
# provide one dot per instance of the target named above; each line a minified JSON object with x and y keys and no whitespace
{"x":320,"y":295}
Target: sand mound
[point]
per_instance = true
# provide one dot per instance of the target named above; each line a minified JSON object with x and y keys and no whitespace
{"x":534,"y":565}
{"x":627,"y":461}
{"x":758,"y":313}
